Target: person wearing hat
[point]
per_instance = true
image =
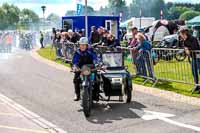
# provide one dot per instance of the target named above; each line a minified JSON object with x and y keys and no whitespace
{"x":84,"y":55}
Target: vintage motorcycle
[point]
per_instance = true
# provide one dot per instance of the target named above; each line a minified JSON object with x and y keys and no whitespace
{"x":112,"y":77}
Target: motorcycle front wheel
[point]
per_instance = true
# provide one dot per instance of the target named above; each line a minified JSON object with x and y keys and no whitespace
{"x":86,"y":101}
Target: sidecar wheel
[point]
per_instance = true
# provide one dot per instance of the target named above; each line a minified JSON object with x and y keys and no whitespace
{"x":128,"y":95}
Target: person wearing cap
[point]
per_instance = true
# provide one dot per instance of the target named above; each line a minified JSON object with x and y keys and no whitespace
{"x":84,"y":55}
{"x":190,"y":44}
{"x":73,"y":36}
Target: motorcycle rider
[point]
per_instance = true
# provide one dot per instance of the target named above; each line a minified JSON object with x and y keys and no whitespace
{"x":84,"y":55}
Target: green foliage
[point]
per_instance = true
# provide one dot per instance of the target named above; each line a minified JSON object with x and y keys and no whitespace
{"x":53,"y":17}
{"x":11,"y":16}
{"x":70,"y":13}
{"x":117,"y":6}
{"x":90,"y":11}
{"x":28,"y":15}
{"x":150,"y":8}
{"x":189,"y":15}
{"x":176,"y":11}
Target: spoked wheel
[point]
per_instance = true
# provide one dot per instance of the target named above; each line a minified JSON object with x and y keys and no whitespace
{"x":86,"y":101}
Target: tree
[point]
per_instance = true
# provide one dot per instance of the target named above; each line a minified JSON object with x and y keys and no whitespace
{"x":156,"y":6}
{"x":90,"y":11}
{"x":176,"y":11}
{"x":117,"y":6}
{"x":189,"y":15}
{"x":70,"y":13}
{"x":55,"y":20}
{"x":149,"y":8}
{"x":3,"y":22}
{"x":53,"y":17}
{"x":11,"y":14}
{"x":28,"y":16}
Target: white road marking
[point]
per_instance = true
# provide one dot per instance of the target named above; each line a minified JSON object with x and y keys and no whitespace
{"x":151,"y":115}
{"x":31,"y":116}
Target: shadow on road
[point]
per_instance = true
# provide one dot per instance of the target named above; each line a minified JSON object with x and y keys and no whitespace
{"x":108,"y":113}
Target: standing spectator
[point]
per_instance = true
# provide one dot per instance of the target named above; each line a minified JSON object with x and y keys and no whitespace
{"x":133,"y":42}
{"x":94,"y":35}
{"x":112,"y":42}
{"x":196,"y":33}
{"x":100,"y":32}
{"x":63,"y":41}
{"x":81,"y":34}
{"x":41,"y":39}
{"x":191,"y":43}
{"x":8,"y":42}
{"x":141,"y":30}
{"x":104,"y":39}
{"x":73,"y":36}
{"x":58,"y":45}
{"x":143,"y":58}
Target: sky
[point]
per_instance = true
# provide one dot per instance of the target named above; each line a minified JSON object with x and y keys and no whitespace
{"x":61,"y":6}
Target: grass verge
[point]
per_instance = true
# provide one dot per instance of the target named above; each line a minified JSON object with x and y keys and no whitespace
{"x":180,"y":88}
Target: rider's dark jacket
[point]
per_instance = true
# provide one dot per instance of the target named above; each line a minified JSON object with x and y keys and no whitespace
{"x":84,"y":57}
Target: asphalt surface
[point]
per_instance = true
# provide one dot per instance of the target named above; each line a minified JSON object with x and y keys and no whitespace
{"x":49,"y":93}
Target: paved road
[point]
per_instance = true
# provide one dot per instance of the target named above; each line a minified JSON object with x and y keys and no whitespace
{"x":49,"y":93}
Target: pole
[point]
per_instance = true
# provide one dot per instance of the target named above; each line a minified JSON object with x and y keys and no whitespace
{"x":43,"y":10}
{"x":140,"y":18}
{"x":86,"y":19}
{"x":43,"y":22}
{"x":161,"y":14}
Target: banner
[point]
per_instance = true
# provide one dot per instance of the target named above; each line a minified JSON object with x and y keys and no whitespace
{"x":79,"y":9}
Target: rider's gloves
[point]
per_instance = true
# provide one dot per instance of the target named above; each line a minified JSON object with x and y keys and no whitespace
{"x":75,"y":68}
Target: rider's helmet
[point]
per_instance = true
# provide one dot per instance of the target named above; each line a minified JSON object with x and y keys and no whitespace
{"x":83,"y":41}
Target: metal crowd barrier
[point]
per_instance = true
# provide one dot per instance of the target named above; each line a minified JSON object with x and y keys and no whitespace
{"x":158,"y":64}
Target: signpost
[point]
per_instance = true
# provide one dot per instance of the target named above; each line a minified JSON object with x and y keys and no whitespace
{"x":43,"y":10}
{"x":79,"y":9}
{"x":86,"y":19}
{"x":140,"y":18}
